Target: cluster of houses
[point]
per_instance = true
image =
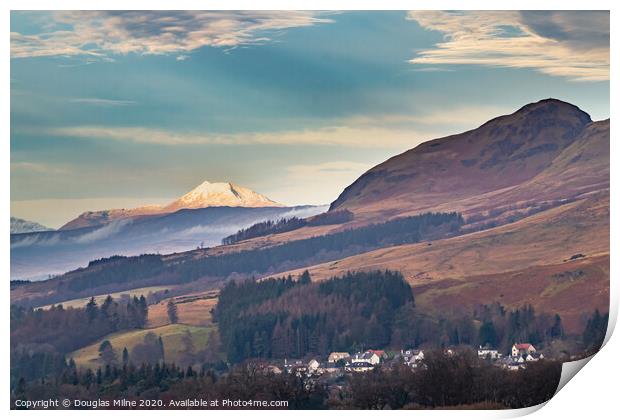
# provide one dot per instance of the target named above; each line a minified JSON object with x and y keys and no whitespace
{"x":338,"y":363}
{"x":520,"y":354}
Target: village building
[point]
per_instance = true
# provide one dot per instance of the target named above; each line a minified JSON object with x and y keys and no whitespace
{"x":522,"y":349}
{"x":337,"y":356}
{"x":295,"y":366}
{"x":412,"y":357}
{"x":330,"y":368}
{"x":366,"y":357}
{"x":487,"y":352}
{"x":359,"y":367}
{"x":313,"y":366}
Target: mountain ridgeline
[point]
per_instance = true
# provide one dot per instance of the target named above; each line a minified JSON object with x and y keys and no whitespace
{"x":509,"y":159}
{"x":123,"y":273}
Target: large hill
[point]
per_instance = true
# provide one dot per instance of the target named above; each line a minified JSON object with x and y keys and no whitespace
{"x":507,"y":161}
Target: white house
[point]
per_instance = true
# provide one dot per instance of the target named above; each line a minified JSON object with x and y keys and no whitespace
{"x":488,"y":352}
{"x":522,"y":349}
{"x":512,"y":362}
{"x":366,"y":357}
{"x":313,"y":365}
{"x":534,"y":357}
{"x":359,"y":367}
{"x":412,"y":357}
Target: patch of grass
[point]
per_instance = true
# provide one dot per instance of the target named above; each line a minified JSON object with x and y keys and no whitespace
{"x":171,"y":335}
{"x":78,"y":303}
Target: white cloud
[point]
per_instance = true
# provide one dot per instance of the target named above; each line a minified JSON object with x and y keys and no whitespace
{"x":563,"y":43}
{"x":100,"y":33}
{"x":102,"y":101}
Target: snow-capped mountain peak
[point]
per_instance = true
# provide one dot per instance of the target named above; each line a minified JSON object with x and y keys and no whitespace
{"x":219,"y":194}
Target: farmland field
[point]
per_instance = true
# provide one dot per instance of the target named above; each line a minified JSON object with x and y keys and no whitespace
{"x":77,"y":303}
{"x":192,"y":310}
{"x":88,"y":357}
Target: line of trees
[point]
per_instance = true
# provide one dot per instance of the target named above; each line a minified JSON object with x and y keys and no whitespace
{"x":458,"y":381}
{"x":270,"y":227}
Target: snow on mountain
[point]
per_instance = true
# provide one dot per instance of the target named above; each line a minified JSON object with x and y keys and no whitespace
{"x":26,"y":226}
{"x":220,"y":194}
{"x":207,"y":194}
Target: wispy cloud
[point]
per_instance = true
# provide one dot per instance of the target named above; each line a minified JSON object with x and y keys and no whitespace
{"x":367,"y":131}
{"x":368,"y":137}
{"x":571,"y":44}
{"x":38,"y":167}
{"x":102,"y":233}
{"x":101,"y":33}
{"x":102,"y":101}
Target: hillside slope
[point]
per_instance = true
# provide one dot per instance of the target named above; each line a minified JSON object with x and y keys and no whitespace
{"x":505,"y":161}
{"x":557,"y":260}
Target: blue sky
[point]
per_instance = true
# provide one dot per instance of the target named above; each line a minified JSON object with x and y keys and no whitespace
{"x":114,"y":109}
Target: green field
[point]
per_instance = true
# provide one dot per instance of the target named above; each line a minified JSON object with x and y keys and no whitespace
{"x":77,"y":303}
{"x":88,"y":357}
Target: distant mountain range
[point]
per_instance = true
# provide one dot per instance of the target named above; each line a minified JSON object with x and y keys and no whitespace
{"x":207,"y":194}
{"x":200,"y":218}
{"x":26,"y":226}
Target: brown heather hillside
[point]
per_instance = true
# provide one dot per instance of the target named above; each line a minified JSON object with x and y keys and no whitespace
{"x":528,"y":261}
{"x":501,"y":154}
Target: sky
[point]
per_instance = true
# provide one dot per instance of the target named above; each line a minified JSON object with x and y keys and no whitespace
{"x":120,"y":109}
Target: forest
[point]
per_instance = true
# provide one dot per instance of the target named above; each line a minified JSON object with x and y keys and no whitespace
{"x":270,"y":227}
{"x":282,"y":317}
{"x":147,"y":270}
{"x":279,"y":318}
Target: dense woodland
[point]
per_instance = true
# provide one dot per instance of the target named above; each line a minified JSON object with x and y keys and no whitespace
{"x":459,"y":381}
{"x":268,"y":227}
{"x":271,"y":227}
{"x":40,"y":339}
{"x":131,"y":272}
{"x":278,"y":318}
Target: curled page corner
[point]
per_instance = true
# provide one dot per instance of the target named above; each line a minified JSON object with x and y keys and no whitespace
{"x":570,"y":369}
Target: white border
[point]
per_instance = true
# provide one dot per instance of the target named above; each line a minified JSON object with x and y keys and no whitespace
{"x":592,"y":395}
